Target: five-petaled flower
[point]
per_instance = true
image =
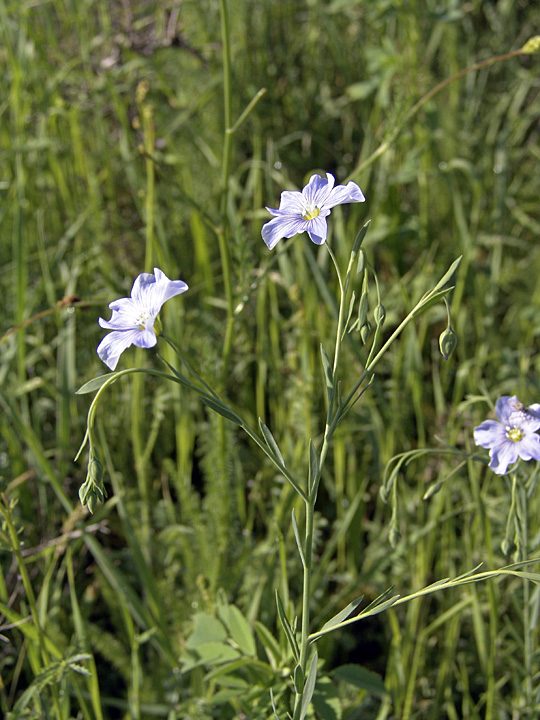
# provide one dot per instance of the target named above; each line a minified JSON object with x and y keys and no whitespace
{"x":307,"y":211}
{"x":132,"y":319}
{"x":513,"y":437}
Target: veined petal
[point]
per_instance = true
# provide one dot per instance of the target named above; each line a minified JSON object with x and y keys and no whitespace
{"x":318,"y":230}
{"x":150,"y":292}
{"x":489,"y":433}
{"x":318,"y":190}
{"x":168,"y":288}
{"x":529,"y":447}
{"x":114,"y":344}
{"x":345,"y":194}
{"x":292,"y":203}
{"x":503,"y":456}
{"x":281,"y":227}
{"x":505,"y":406}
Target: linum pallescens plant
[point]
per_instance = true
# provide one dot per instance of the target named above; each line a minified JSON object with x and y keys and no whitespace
{"x":511,"y":439}
{"x":134,"y":321}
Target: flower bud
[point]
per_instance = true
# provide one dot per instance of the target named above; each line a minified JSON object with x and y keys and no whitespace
{"x":365,"y":331}
{"x":447,"y":342}
{"x":508,"y":547}
{"x":394,"y":536}
{"x":379,"y":315}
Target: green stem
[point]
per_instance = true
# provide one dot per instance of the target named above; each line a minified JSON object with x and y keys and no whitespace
{"x":311,"y":499}
{"x":5,"y":510}
{"x":383,"y":147}
{"x":225,"y":180}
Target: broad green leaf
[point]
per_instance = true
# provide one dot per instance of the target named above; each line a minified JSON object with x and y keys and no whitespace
{"x":326,"y":700}
{"x":239,"y":628}
{"x":212,"y":653}
{"x":270,"y":644}
{"x":207,"y":629}
{"x":360,"y":677}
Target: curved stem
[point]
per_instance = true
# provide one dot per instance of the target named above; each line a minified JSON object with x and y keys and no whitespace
{"x":383,"y":147}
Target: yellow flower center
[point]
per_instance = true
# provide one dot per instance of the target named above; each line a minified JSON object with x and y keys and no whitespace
{"x":514,"y":433}
{"x":143,"y":321}
{"x":310,"y":213}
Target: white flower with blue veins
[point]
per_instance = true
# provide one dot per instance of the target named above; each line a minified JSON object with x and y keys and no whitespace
{"x":513,"y":437}
{"x":307,"y":211}
{"x":132,"y":320}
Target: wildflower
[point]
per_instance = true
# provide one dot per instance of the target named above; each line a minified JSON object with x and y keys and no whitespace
{"x":133,"y":318}
{"x":307,"y":211}
{"x":513,"y":437}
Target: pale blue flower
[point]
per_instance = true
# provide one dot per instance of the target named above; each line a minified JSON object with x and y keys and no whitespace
{"x":307,"y":211}
{"x":132,"y":319}
{"x":513,"y":437}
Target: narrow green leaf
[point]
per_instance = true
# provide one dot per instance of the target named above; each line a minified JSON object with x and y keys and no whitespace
{"x":309,"y":687}
{"x":381,"y":598}
{"x":349,"y":314}
{"x":297,"y":538}
{"x":313,"y":467}
{"x":329,"y":376}
{"x":360,"y":237}
{"x":448,"y":274}
{"x":430,"y":300}
{"x":95,"y":384}
{"x":222,"y":410}
{"x":343,"y":614}
{"x":287,"y":629}
{"x":272,"y":444}
{"x":273,"y":704}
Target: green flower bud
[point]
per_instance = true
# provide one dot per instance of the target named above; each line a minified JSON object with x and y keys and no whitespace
{"x":365,"y":331}
{"x":432,"y":490}
{"x":379,"y":315}
{"x":394,"y":536}
{"x":384,"y":494}
{"x":508,"y":547}
{"x":447,"y":342}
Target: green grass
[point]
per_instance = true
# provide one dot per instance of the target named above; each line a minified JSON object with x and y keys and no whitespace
{"x":197,"y":517}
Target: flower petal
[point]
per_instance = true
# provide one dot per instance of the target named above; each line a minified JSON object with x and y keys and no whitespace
{"x":114,"y":344}
{"x":281,"y":227}
{"x":345,"y":194}
{"x":502,"y":456}
{"x":529,"y":447}
{"x":317,"y":191}
{"x":292,"y":203}
{"x":505,"y":406}
{"x":318,"y":230}
{"x":489,"y":433}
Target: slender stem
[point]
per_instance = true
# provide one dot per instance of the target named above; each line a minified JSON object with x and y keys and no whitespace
{"x":5,"y":510}
{"x":313,"y":489}
{"x":383,"y":147}
{"x":527,"y":630}
{"x":225,"y":179}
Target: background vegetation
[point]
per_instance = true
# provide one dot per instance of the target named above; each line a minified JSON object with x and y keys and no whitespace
{"x":111,"y":146}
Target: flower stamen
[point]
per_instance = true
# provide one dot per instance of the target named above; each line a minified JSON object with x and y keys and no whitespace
{"x":310,"y":213}
{"x":514,"y":433}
